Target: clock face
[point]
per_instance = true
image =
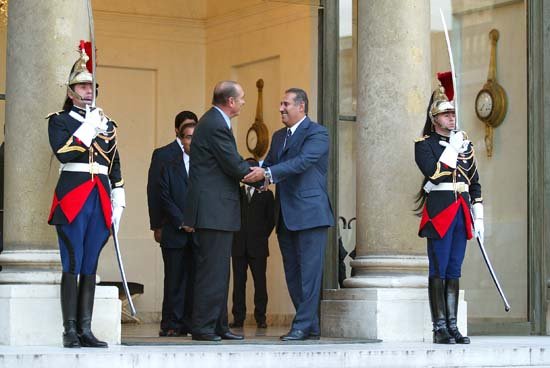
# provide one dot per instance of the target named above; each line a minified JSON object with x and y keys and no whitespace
{"x":484,"y":104}
{"x":251,"y":139}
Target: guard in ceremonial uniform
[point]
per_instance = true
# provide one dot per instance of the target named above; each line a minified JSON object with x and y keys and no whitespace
{"x":449,"y":195}
{"x":88,"y":199}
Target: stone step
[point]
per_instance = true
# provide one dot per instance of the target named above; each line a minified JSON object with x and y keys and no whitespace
{"x":483,"y":352}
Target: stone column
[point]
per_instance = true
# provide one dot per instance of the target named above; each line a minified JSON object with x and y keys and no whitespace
{"x":387,"y":298}
{"x":42,"y":42}
{"x":42,"y":39}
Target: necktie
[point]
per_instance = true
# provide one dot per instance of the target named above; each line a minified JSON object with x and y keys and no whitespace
{"x":288,"y":134}
{"x":249,"y":192}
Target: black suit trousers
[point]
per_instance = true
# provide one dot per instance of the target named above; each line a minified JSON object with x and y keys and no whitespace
{"x":177,"y":302}
{"x":258,"y":268}
{"x":212,"y":253}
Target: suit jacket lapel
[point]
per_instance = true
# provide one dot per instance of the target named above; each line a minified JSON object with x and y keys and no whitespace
{"x":297,"y":136}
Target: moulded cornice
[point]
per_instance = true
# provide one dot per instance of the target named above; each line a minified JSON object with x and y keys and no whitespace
{"x":251,"y":19}
{"x":150,"y":27}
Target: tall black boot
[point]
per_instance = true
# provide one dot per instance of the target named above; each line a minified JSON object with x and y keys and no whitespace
{"x":452,"y":288}
{"x":436,"y":292}
{"x":69,"y":295}
{"x":85,"y":310}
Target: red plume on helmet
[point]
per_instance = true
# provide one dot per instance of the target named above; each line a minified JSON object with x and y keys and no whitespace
{"x":87,"y":47}
{"x":446,"y":80}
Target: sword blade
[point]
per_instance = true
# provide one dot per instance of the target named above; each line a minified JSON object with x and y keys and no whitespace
{"x":122,"y":273}
{"x":92,"y":40}
{"x":451,"y":61}
{"x":493,"y":275}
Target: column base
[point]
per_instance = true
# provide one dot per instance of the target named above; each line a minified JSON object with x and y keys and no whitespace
{"x":31,"y":315}
{"x":389,"y":314}
{"x":30,"y":266}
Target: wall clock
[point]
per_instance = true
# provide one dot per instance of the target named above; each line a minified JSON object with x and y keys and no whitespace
{"x":491,"y":101}
{"x":257,"y":137}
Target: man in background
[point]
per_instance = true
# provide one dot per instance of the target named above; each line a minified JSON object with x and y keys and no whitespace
{"x":251,"y":249}
{"x":159,"y":158}
{"x":176,"y":244}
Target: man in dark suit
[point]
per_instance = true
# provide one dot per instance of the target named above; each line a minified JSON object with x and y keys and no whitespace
{"x":159,"y":158}
{"x":212,"y":209}
{"x":176,"y":244}
{"x":297,"y":162}
{"x":251,"y":249}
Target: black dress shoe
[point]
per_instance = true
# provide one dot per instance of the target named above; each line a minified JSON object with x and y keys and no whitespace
{"x":169,"y":332}
{"x":313,"y":336}
{"x":231,"y":336}
{"x":294,"y":335}
{"x":206,"y":337}
{"x":88,"y":340}
{"x":261,"y":324}
{"x":236,"y":324}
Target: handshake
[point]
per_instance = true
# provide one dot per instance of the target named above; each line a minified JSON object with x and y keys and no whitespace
{"x":256,"y":175}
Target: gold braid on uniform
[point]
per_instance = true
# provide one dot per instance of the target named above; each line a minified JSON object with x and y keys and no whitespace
{"x":68,"y":148}
{"x":464,"y":174}
{"x":437,"y":174}
{"x":103,"y":152}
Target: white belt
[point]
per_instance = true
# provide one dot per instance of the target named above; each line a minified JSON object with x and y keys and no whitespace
{"x":452,"y":187}
{"x":93,"y":168}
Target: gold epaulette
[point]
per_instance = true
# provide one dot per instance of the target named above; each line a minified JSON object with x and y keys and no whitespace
{"x":421,"y":139}
{"x":114,"y":122}
{"x":53,"y":113}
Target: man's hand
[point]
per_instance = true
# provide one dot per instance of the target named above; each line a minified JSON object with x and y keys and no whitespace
{"x":188,"y":229}
{"x":256,"y":174}
{"x":157,"y":234}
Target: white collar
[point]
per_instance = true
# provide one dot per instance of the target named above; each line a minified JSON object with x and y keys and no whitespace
{"x":225,"y":117}
{"x":179,"y":143}
{"x":295,"y":126}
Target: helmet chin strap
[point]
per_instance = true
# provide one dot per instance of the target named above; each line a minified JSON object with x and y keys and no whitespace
{"x":75,"y":96}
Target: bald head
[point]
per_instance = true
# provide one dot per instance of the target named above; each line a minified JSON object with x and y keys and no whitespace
{"x":223,"y":91}
{"x":229,"y":97}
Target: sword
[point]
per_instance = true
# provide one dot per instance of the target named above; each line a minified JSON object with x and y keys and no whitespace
{"x":92,"y":40}
{"x":122,"y":273}
{"x":451,"y":61}
{"x":492,"y":272}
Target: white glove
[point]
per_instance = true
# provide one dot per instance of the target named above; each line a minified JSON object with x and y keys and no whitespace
{"x":118,"y":202}
{"x":96,"y":118}
{"x":457,"y":141}
{"x":94,"y":123}
{"x":457,"y":144}
{"x":478,"y":220}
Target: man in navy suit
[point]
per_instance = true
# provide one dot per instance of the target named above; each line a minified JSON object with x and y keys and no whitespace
{"x":159,"y":158}
{"x":297,"y":162}
{"x":176,"y":243}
